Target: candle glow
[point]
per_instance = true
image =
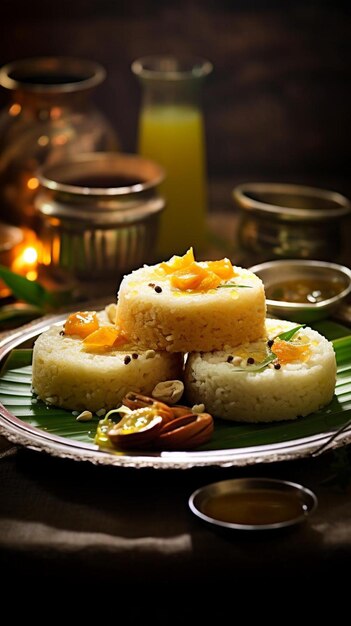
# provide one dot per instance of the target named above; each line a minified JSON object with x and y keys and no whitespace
{"x":26,"y":262}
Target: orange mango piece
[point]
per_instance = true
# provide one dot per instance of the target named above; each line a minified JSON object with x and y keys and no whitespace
{"x":288,"y":352}
{"x":194,"y":278}
{"x":222,"y":268}
{"x":104,"y":338}
{"x":82,"y":323}
{"x":178,"y":262}
{"x":211,"y":281}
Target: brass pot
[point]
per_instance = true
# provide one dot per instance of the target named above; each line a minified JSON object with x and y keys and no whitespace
{"x":99,"y":216}
{"x":50,"y":117}
{"x":278,"y":221}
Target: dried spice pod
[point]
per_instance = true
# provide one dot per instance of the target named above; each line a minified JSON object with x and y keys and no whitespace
{"x":185,"y":432}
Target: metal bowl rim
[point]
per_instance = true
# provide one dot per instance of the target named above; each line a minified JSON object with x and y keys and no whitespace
{"x":310,"y":500}
{"x":241,"y":191}
{"x":43,"y":175}
{"x":342,"y":270}
{"x":96,"y":74}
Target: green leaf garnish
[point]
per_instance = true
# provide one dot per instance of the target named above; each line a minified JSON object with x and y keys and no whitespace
{"x":289,"y":333}
{"x":256,"y":367}
{"x":233,"y":286}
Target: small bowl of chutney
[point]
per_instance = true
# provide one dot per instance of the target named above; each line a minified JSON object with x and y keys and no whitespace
{"x":249,"y":504}
{"x":303,"y":290}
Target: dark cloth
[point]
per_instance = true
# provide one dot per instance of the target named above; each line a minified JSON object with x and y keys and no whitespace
{"x":62,"y":518}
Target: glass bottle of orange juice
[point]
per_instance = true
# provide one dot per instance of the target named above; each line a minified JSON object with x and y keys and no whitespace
{"x":171,"y":132}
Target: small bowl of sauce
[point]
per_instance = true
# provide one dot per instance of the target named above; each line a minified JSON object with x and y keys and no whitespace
{"x":253,"y":504}
{"x":303,"y":291}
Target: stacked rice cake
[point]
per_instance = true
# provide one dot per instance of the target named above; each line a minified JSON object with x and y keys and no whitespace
{"x":67,"y":374}
{"x":160,"y":313}
{"x":238,"y":365}
{"x":266,"y":380}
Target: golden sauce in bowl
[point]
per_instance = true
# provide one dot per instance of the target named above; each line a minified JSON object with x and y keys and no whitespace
{"x":252,"y":504}
{"x":305,"y":290}
{"x":254,"y":507}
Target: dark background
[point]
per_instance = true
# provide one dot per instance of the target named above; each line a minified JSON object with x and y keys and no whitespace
{"x":277,"y":105}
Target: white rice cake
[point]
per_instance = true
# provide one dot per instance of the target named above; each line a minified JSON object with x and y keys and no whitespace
{"x":294,"y":389}
{"x":156,"y":315}
{"x":66,"y":375}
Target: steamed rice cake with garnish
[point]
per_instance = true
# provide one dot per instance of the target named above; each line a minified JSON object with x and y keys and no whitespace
{"x":88,"y":363}
{"x":290,"y":372}
{"x":183,"y":305}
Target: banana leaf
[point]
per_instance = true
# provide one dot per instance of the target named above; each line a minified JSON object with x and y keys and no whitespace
{"x":16,"y":395}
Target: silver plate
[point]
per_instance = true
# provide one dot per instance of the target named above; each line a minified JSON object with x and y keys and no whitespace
{"x":24,"y":434}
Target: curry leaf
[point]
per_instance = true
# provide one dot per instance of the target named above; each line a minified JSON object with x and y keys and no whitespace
{"x":233,"y":286}
{"x":256,"y":367}
{"x":289,"y":333}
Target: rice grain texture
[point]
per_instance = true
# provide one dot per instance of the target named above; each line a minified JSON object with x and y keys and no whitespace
{"x":65,"y":375}
{"x":294,"y":389}
{"x":157,"y":316}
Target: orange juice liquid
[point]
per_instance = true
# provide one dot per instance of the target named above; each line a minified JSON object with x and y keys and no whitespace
{"x":173,"y":136}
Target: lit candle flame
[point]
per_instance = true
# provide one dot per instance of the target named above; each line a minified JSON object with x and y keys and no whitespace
{"x":29,"y":255}
{"x":26,"y":263}
{"x":33,"y":183}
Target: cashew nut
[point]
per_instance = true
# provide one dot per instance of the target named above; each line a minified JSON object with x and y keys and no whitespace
{"x":169,"y":391}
